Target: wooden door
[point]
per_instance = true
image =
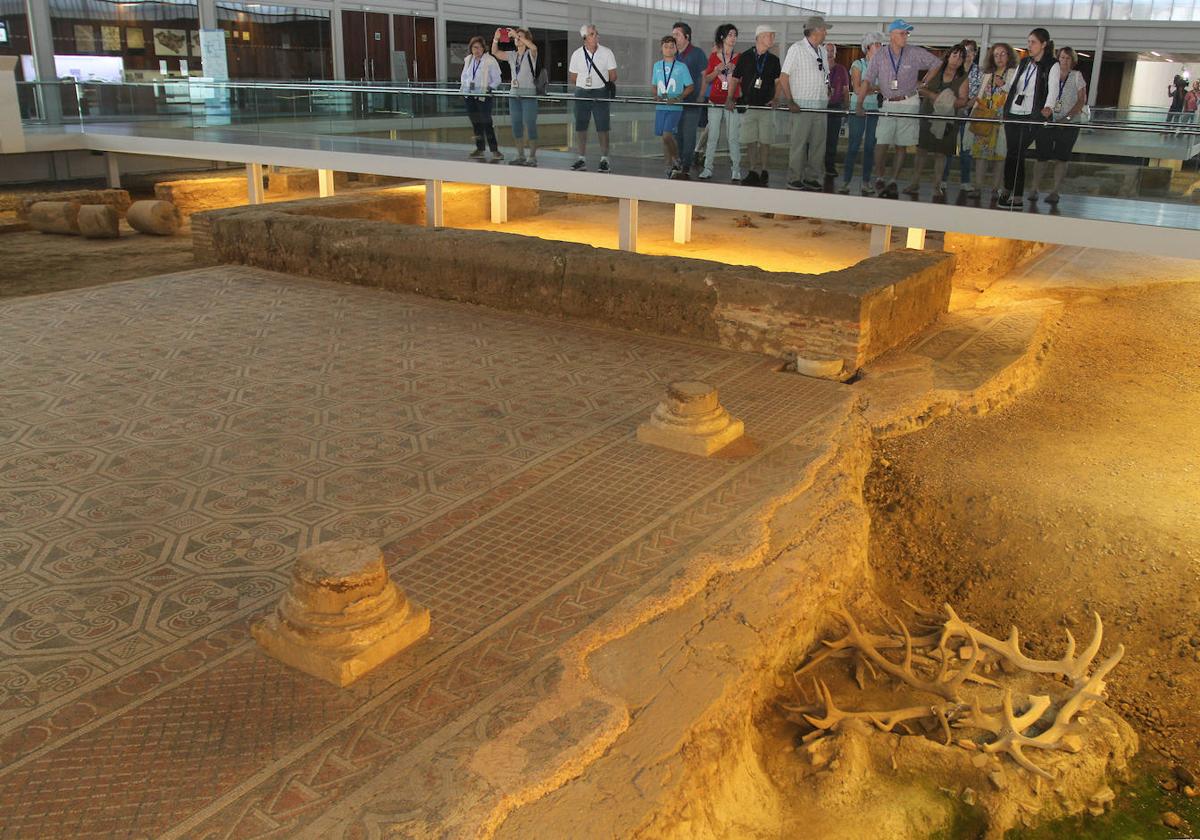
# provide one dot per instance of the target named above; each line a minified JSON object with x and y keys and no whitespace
{"x":367,"y":46}
{"x":414,"y":36}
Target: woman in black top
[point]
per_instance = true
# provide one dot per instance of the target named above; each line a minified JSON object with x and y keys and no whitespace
{"x":1177,"y":90}
{"x":1023,"y":114}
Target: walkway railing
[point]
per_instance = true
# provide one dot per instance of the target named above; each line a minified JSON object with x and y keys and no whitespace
{"x":1125,"y":168}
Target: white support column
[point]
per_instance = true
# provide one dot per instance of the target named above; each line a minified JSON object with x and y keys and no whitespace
{"x":37,"y":16}
{"x":254,"y":182}
{"x":627,"y":224}
{"x":12,"y":133}
{"x":683,"y":223}
{"x":881,"y":239}
{"x":112,"y":170}
{"x":325,"y":182}
{"x":916,"y":239}
{"x":335,"y":35}
{"x":499,"y":204}
{"x":1097,"y":57}
{"x":207,"y":12}
{"x":433,"y":204}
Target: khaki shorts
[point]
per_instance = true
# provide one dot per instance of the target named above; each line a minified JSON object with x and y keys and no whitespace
{"x":758,"y":126}
{"x":899,"y":131}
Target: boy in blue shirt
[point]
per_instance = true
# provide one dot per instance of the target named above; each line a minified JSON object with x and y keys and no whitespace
{"x":672,"y":82}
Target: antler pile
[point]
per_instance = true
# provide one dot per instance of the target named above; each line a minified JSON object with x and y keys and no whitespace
{"x":930,"y":664}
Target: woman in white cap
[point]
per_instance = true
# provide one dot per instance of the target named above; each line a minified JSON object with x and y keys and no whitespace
{"x":864,"y":114}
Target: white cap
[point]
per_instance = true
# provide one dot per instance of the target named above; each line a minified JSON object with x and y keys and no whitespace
{"x":583,"y":30}
{"x":763,"y":28}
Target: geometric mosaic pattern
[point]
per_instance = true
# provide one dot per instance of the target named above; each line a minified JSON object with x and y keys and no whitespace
{"x":168,"y":445}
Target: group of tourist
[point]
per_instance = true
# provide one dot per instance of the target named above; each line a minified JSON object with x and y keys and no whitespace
{"x":995,"y":114}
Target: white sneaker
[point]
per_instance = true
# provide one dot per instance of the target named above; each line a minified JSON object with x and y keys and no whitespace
{"x":736,"y":176}
{"x":706,"y":175}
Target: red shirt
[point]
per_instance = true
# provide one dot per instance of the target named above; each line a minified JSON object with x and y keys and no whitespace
{"x":719,"y":91}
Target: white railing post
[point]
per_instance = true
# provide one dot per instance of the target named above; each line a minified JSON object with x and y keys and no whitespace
{"x":254,"y":182}
{"x":881,"y":239}
{"x":499,"y":204}
{"x":627,"y":224}
{"x":433,"y":204}
{"x":683,"y":223}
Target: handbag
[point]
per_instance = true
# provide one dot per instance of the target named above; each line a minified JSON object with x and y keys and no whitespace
{"x":984,"y":130}
{"x":541,"y":82}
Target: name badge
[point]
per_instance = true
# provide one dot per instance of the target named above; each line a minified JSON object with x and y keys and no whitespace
{"x":895,"y":84}
{"x":587,"y":80}
{"x":471,"y":86}
{"x":724,"y":83}
{"x":758,"y":84}
{"x":1020,"y":99}
{"x":514,"y":84}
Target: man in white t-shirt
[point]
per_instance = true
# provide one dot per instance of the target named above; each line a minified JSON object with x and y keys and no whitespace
{"x":593,"y":72}
{"x":804,"y":83}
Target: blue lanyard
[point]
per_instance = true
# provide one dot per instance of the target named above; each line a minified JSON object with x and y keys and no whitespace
{"x":896,"y":63}
{"x":725,"y":60}
{"x":587,"y":57}
{"x":667,"y":75}
{"x":1062,"y":83}
{"x":760,"y":61}
{"x":1030,"y":72}
{"x":475,"y":69}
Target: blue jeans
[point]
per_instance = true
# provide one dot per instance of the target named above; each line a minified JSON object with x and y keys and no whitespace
{"x":862,"y":133}
{"x":685,"y":133}
{"x":524,"y":113}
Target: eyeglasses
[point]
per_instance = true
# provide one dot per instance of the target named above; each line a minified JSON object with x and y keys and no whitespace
{"x":821,"y":64}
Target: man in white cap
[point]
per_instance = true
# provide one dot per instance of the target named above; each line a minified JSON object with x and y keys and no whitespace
{"x":894,"y":73}
{"x":754,"y":88}
{"x":593,"y":72}
{"x":804,"y":84}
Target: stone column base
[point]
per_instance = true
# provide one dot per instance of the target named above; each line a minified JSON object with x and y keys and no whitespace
{"x":690,"y":420}
{"x":342,"y":616}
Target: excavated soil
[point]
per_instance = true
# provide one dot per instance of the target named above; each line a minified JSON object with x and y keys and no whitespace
{"x":1081,"y":495}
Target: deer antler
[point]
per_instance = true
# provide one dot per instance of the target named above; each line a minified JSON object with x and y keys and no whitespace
{"x":1070,"y":666}
{"x":885,"y":720}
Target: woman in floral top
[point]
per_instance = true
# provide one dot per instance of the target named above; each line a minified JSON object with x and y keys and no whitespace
{"x":987,"y":139}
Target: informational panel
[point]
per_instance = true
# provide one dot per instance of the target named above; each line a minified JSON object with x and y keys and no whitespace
{"x":215,"y":67}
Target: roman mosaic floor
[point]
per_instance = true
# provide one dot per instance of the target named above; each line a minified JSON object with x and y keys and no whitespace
{"x":167,"y":446}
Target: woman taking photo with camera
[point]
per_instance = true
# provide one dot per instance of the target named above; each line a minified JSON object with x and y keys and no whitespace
{"x":480,"y":76}
{"x":523,"y":104}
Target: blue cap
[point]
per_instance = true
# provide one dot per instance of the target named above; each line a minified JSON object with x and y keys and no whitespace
{"x":899,"y":23}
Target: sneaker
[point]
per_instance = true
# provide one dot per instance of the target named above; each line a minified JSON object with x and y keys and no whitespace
{"x":764,"y":178}
{"x":579,"y":165}
{"x":497,"y":157}
{"x":891,"y":190}
{"x":673,"y":172}
{"x":939,"y":191}
{"x":518,"y":161}
{"x":970,"y":189}
{"x":1009,"y":202}
{"x":736,"y":178}
{"x":681,"y":175}
{"x":813,"y":185}
{"x":867,"y":191}
{"x":844,"y":189}
{"x":880,"y":187}
{"x":476,"y":155}
{"x":796,"y":185}
{"x":705,"y":175}
{"x":1052,"y":198}
{"x":1032,"y":195}
{"x":604,"y":165}
{"x":913,"y":189}
{"x":751,"y":179}
{"x":531,"y":161}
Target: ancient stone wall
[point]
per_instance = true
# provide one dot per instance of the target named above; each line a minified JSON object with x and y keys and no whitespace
{"x":850,"y":315}
{"x":981,"y":260}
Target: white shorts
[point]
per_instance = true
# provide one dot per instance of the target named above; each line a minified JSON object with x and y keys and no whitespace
{"x":899,"y":131}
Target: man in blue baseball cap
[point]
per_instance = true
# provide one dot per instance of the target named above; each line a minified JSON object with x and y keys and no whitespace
{"x":894,"y":74}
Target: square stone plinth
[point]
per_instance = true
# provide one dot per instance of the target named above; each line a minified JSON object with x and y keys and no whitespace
{"x":340,"y":666}
{"x":702,"y":445}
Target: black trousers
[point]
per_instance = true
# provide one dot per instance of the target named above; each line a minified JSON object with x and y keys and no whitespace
{"x":833,"y":127}
{"x":479,"y":112}
{"x":1019,"y":133}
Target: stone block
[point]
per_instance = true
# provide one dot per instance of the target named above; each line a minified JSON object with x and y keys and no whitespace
{"x":342,"y":615}
{"x":161,"y":218}
{"x":99,"y":221}
{"x":690,"y":419}
{"x":55,"y":217}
